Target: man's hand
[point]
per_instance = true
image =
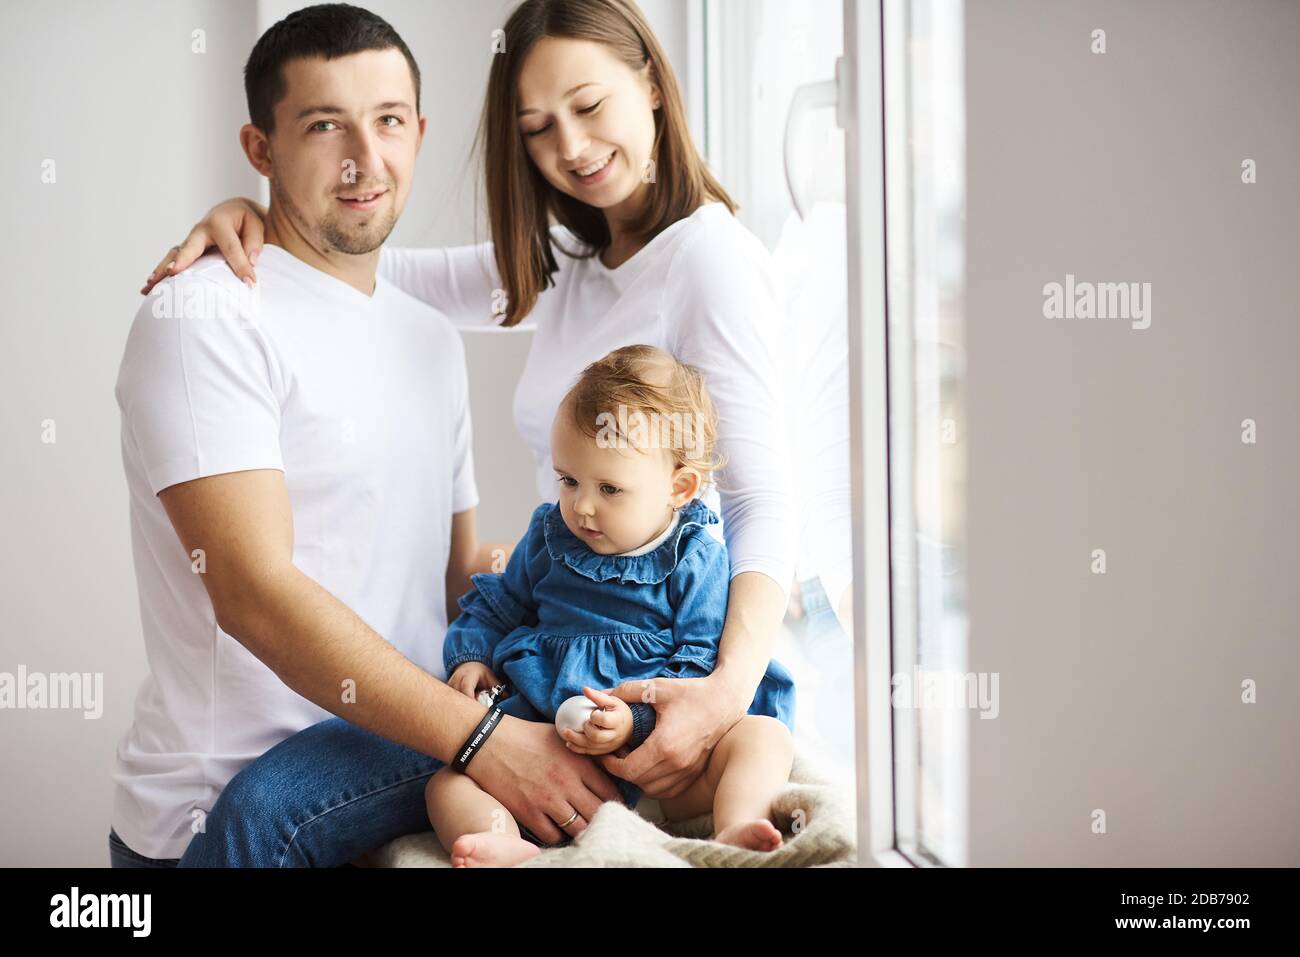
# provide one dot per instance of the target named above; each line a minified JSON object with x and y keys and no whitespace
{"x":691,"y":716}
{"x":606,"y":730}
{"x":526,"y":767}
{"x":471,"y":677}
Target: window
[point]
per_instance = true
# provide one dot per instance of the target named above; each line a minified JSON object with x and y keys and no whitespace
{"x":757,"y":55}
{"x":796,"y":105}
{"x":924,"y":189}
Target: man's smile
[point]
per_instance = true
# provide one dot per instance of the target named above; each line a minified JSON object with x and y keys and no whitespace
{"x":363,"y":201}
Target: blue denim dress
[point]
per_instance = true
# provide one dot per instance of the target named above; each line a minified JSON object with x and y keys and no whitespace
{"x":562,"y":616}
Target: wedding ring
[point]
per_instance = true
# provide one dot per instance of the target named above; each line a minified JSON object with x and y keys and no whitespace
{"x":568,"y":822}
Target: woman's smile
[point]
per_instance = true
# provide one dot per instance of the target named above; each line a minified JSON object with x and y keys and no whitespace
{"x":596,"y":172}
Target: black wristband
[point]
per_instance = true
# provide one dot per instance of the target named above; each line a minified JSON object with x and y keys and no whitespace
{"x":481,"y":733}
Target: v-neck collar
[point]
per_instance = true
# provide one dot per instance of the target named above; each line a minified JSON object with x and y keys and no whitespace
{"x":330,"y":286}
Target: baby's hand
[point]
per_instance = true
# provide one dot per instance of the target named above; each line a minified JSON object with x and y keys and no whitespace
{"x":608,"y":728}
{"x":471,"y":677}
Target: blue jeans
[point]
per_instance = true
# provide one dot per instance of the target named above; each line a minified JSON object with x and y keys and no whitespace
{"x":325,"y":796}
{"x":119,"y":855}
{"x":319,"y":798}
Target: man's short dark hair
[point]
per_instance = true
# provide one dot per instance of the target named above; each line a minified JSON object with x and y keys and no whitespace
{"x":328,"y":30}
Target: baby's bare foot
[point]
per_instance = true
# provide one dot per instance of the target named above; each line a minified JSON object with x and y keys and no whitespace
{"x":486,"y":849}
{"x":757,"y":835}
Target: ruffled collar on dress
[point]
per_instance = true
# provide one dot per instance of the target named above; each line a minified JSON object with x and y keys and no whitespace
{"x":650,"y":568}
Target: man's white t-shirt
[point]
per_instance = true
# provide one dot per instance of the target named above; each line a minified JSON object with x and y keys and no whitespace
{"x":362,"y":402}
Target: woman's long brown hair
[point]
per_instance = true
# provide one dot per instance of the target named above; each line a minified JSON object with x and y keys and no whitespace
{"x":520,"y":201}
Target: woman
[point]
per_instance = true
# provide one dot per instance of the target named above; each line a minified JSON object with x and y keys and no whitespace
{"x":584,"y":122}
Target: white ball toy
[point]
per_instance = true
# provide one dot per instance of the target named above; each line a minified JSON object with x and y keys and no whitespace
{"x":573,"y":713}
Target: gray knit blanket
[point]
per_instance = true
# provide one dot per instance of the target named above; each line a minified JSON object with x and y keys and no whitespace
{"x":815,"y":817}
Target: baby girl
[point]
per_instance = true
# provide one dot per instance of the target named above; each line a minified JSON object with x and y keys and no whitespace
{"x":620,"y":581}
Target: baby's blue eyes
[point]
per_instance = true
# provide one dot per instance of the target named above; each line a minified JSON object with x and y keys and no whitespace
{"x":572,"y":482}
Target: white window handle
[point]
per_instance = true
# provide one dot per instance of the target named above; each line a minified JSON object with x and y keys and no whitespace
{"x":807,"y":99}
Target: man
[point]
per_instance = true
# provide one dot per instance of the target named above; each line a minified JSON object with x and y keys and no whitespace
{"x":308,"y":443}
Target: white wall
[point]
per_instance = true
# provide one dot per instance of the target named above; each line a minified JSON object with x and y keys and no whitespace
{"x":142,"y":133}
{"x":1122,"y":692}
{"x":144,"y":136}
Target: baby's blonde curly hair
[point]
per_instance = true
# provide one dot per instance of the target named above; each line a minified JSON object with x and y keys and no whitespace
{"x":643,"y":397}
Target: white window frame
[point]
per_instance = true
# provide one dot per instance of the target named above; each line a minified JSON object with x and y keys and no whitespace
{"x":861,"y":113}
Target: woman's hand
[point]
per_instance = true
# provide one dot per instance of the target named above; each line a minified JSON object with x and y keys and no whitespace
{"x":471,"y":677}
{"x":691,"y":716}
{"x":235,"y":227}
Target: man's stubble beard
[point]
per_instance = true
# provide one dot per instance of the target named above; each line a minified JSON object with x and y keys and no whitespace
{"x":330,"y":232}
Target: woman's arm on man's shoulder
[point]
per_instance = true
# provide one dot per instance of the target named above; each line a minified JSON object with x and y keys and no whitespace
{"x":459,"y":281}
{"x":463,"y":282}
